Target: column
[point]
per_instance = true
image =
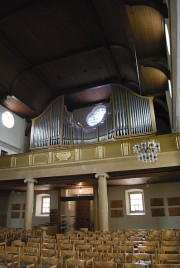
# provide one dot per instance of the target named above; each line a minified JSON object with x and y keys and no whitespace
{"x":103,"y":201}
{"x":29,"y":203}
{"x":95,"y":208}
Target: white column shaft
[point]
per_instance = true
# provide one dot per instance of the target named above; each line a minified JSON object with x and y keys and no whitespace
{"x":29,"y":204}
{"x":103,"y":203}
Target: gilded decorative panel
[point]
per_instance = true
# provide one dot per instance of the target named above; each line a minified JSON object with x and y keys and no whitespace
{"x":40,"y":159}
{"x":77,"y":154}
{"x":125,"y":148}
{"x":100,"y":151}
{"x":89,"y":153}
{"x":22,"y":161}
{"x":167,"y":144}
{"x":5,"y":162}
{"x":62,"y":156}
{"x":113,"y":150}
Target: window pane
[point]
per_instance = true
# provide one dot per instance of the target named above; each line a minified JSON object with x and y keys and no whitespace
{"x":96,"y":115}
{"x":46,"y":205}
{"x":136,"y":202}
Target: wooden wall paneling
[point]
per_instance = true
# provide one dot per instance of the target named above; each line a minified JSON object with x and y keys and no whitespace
{"x":174,"y":211}
{"x":157,"y":212}
{"x":156,"y":202}
{"x":16,"y":206}
{"x":15,"y":214}
{"x":117,"y":213}
{"x":173,"y":201}
{"x":116,"y":203}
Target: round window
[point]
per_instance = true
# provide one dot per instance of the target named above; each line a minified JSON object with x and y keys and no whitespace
{"x":96,"y":116}
{"x":8,"y":119}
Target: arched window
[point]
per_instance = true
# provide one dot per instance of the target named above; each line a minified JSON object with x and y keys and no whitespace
{"x":135,"y":202}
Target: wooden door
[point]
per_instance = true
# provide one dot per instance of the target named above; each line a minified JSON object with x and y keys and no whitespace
{"x":82,"y":214}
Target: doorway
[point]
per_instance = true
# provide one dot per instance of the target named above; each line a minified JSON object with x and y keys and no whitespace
{"x":82,"y":214}
{"x":77,"y":212}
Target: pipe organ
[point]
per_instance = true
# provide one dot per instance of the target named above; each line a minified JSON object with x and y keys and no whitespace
{"x":127,"y":114}
{"x":133,"y":114}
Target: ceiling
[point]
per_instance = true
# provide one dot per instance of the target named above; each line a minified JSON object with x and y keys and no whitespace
{"x":122,"y":178}
{"x":79,"y":48}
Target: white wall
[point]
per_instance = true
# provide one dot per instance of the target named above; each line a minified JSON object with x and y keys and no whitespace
{"x":145,"y":221}
{"x":20,"y":198}
{"x":163,"y":190}
{"x":12,"y":139}
{"x":16,"y":198}
{"x":37,"y":220}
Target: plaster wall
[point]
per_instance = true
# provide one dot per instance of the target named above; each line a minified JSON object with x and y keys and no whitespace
{"x":12,"y":140}
{"x":20,"y":198}
{"x":163,"y":190}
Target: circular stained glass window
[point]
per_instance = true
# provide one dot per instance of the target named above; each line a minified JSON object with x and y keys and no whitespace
{"x":96,"y":116}
{"x":8,"y":119}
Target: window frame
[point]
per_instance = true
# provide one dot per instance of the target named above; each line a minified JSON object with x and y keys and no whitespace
{"x":38,"y":206}
{"x":129,"y":210}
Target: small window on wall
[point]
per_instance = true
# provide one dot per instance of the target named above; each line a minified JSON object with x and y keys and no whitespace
{"x":8,"y":119}
{"x":42,"y":205}
{"x":45,"y":205}
{"x":96,"y":116}
{"x":135,"y":202}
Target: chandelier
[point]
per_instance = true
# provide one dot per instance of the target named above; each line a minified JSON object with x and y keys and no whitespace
{"x":147,"y":151}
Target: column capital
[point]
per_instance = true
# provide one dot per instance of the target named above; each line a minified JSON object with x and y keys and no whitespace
{"x":30,"y":180}
{"x":105,"y":175}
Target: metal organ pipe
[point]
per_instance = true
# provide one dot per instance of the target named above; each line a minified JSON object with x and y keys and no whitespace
{"x":127,"y":114}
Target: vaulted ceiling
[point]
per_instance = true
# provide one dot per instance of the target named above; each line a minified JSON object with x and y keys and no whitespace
{"x":78,"y":49}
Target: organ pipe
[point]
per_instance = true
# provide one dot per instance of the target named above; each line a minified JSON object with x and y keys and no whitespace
{"x":128,"y":114}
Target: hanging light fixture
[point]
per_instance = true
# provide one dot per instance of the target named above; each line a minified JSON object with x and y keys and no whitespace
{"x":147,"y":151}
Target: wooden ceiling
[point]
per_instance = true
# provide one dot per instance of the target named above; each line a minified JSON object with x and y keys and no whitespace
{"x":78,"y":48}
